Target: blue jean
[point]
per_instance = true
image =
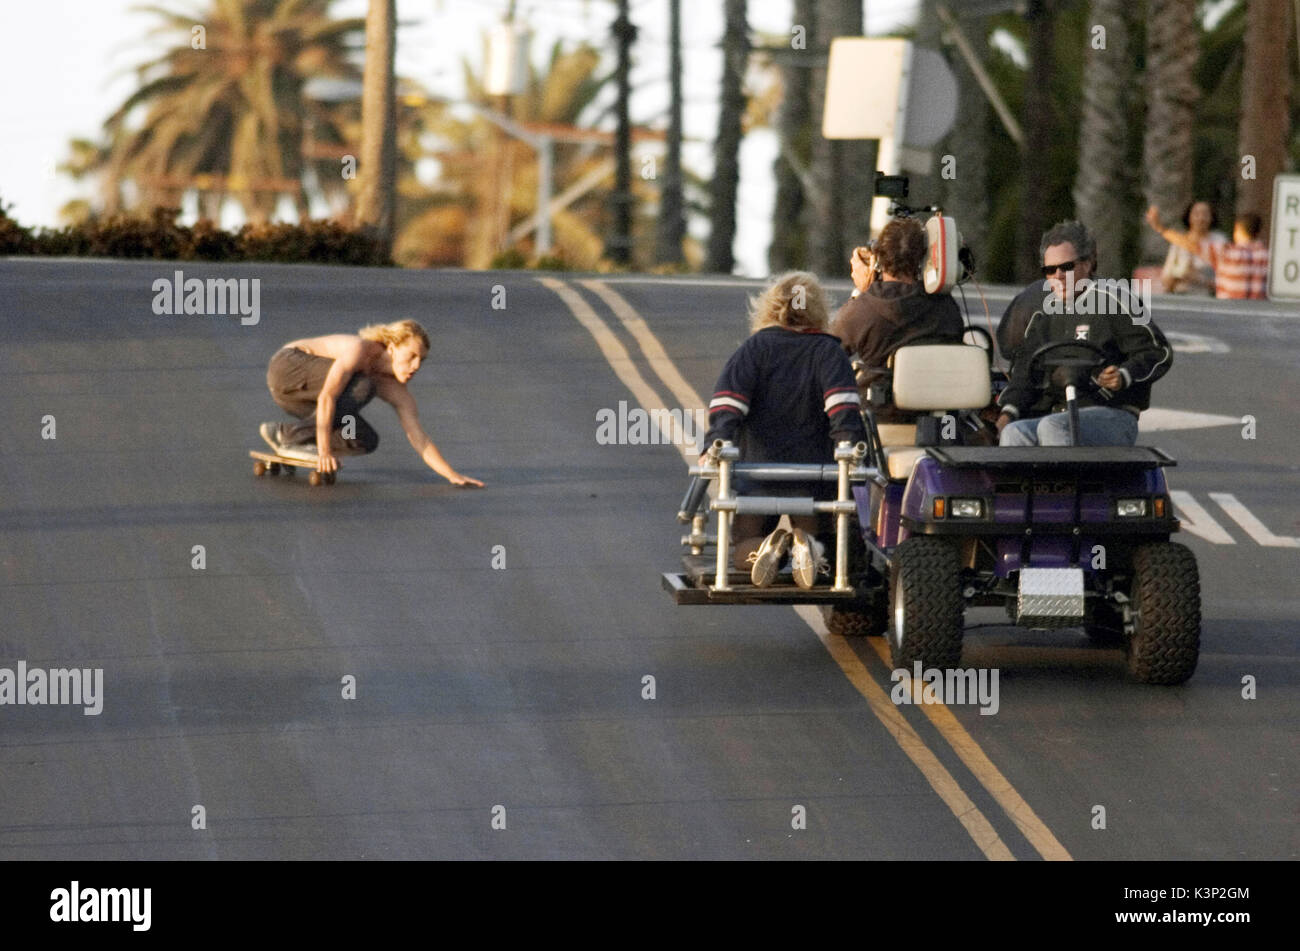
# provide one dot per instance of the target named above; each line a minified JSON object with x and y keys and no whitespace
{"x":1098,"y":426}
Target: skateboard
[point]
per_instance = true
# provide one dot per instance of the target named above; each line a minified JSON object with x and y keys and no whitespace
{"x":267,"y":462}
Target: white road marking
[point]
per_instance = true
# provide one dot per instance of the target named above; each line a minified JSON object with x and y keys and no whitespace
{"x":1195,"y":343}
{"x":1196,"y":520}
{"x":1158,"y":419}
{"x":1250,"y":524}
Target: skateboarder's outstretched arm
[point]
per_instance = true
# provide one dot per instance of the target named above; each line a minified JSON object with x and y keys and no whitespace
{"x":391,"y":391}
{"x":350,"y":357}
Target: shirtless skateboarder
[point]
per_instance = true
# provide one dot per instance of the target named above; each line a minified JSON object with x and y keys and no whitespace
{"x":325,"y":381}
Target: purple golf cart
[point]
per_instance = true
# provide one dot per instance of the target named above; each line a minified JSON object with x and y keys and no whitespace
{"x":1062,"y":537}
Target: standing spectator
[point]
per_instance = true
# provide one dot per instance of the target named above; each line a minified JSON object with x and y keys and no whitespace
{"x":1240,"y":268}
{"x":1189,"y":267}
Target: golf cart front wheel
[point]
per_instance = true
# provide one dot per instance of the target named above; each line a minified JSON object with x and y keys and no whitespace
{"x":925,"y":604}
{"x":1165,"y":642}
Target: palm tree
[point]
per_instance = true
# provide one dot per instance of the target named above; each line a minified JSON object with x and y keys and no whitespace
{"x":965,"y":196}
{"x":1103,"y":188}
{"x":378,"y":169}
{"x":726,"y":147}
{"x":1167,"y":146}
{"x":87,"y":159}
{"x":618,"y":247}
{"x":231,"y":116}
{"x":1264,"y":131}
{"x":452,"y":223}
{"x":794,"y":133}
{"x":841,"y":172}
{"x":1040,"y":128}
{"x":672,"y":212}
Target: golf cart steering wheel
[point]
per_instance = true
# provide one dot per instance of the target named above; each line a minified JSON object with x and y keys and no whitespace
{"x":1098,"y":361}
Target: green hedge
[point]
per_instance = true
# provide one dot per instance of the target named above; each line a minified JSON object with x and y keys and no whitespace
{"x":159,"y":236}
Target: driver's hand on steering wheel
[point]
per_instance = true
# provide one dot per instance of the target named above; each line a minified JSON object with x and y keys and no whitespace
{"x":1111,"y":378}
{"x":1003,"y":419}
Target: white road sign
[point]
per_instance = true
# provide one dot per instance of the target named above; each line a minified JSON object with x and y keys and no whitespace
{"x":1284,"y":242}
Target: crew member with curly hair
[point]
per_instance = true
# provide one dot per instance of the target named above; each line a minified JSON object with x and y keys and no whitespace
{"x":890,"y":309}
{"x":786,"y":395}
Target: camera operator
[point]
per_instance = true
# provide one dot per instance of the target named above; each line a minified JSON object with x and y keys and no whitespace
{"x":890,"y":309}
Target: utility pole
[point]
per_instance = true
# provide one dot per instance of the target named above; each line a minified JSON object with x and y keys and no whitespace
{"x":672,"y":221}
{"x":619,"y":246}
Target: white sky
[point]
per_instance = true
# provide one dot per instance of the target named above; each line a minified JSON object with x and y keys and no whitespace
{"x":65,"y":65}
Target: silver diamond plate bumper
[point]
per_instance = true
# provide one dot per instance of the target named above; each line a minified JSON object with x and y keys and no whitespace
{"x":1050,"y":597}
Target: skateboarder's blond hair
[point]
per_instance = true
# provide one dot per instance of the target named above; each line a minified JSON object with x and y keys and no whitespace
{"x":396,"y":333}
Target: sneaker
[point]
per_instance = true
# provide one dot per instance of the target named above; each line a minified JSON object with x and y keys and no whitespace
{"x":766,"y":559}
{"x":270,"y":433}
{"x":807,"y":559}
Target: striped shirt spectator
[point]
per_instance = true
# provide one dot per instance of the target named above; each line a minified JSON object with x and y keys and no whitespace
{"x":1241,"y":268}
{"x":1241,"y":271}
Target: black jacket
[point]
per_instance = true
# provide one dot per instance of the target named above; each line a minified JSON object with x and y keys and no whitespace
{"x":1011,"y":328}
{"x":786,"y":396}
{"x":891,"y":315}
{"x":1139,"y":349}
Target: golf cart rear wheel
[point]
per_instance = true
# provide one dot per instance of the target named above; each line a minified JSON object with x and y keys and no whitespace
{"x":864,"y":617}
{"x":1166,"y":612}
{"x":925,"y":604}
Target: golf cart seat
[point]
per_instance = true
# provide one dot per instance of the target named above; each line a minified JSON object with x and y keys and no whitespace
{"x":934,"y":378}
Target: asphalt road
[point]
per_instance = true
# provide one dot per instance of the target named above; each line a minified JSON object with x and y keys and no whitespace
{"x":499,"y":640}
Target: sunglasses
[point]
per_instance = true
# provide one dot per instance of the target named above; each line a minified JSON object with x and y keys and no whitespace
{"x":1050,"y":269}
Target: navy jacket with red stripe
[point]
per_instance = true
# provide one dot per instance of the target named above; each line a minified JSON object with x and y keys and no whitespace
{"x":787,"y":396}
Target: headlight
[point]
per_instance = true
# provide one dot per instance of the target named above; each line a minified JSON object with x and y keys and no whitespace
{"x":1131,"y":508}
{"x":966,"y":508}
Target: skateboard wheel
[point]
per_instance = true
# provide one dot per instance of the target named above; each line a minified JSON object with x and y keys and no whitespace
{"x":314,"y":478}
{"x":273,"y":468}
{"x":259,"y":468}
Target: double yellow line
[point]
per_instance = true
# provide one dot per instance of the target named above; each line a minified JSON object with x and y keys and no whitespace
{"x":936,"y":774}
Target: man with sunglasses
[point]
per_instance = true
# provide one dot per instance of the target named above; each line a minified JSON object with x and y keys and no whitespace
{"x":1077,"y":308}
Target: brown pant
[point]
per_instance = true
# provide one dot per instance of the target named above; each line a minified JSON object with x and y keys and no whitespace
{"x":295,"y":379}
